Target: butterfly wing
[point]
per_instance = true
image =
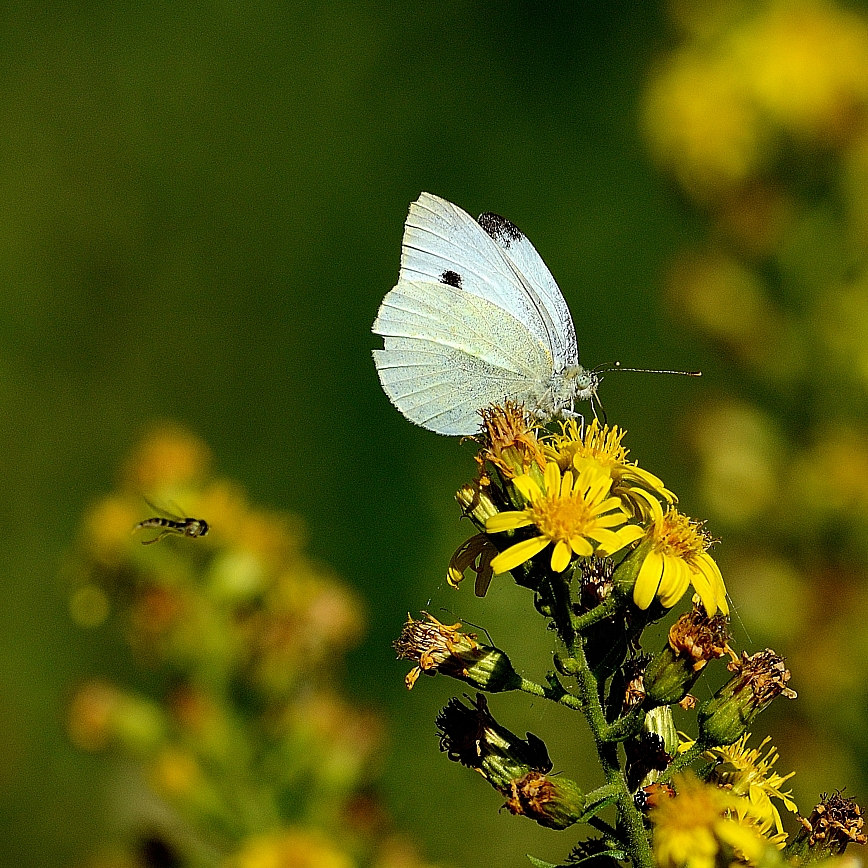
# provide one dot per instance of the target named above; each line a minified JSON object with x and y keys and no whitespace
{"x":529,"y":264}
{"x":448,"y":353}
{"x":489,"y":259}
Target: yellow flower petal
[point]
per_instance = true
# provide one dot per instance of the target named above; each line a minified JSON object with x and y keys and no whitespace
{"x":608,"y":504}
{"x":618,"y":539}
{"x":561,"y":556}
{"x":528,"y":487}
{"x":611,"y":520}
{"x":518,"y":554}
{"x":552,"y":478}
{"x":648,"y":580}
{"x":676,"y":587}
{"x":711,"y":571}
{"x":507,"y":521}
{"x":706,"y":592}
{"x":581,"y":546}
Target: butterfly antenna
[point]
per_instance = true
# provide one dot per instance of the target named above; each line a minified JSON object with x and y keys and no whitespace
{"x":616,"y":366}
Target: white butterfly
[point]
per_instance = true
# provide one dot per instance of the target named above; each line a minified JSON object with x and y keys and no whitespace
{"x":475,"y":318}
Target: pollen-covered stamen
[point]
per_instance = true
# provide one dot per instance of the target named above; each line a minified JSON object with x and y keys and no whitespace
{"x":508,"y":439}
{"x":679,"y":537}
{"x":566,"y":515}
{"x":674,"y":556}
{"x":639,"y":491}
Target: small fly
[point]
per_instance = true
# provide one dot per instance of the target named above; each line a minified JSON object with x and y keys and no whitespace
{"x":175,"y":524}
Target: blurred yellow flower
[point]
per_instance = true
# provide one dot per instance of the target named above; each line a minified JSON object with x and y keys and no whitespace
{"x":572,"y":511}
{"x":169,"y":456}
{"x":805,"y":63}
{"x":690,"y":829}
{"x":175,"y":772}
{"x":292,"y":848}
{"x":701,"y":125}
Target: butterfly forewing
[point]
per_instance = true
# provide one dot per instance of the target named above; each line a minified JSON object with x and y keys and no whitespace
{"x":442,"y":314}
{"x":530,"y":268}
{"x":444,"y":244}
{"x":475,"y":318}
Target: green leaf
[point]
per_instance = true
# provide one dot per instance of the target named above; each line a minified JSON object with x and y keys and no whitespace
{"x":539,"y":863}
{"x":594,"y":808}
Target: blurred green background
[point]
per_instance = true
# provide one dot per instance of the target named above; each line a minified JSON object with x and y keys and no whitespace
{"x":201,"y":207}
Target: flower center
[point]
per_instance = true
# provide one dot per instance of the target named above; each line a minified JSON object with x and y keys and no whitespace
{"x":677,"y":536}
{"x":563,"y":518}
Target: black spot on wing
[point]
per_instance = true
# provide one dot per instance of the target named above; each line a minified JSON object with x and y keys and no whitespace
{"x":451,"y":278}
{"x":500,"y":229}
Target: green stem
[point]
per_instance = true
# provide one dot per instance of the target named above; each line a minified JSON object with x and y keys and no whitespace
{"x":606,"y":609}
{"x":625,"y":727}
{"x":629,"y":816}
{"x":682,"y":761}
{"x":602,"y":826}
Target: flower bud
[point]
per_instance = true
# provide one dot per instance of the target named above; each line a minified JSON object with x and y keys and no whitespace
{"x":728,"y":715}
{"x":439,"y":648}
{"x":515,"y":767}
{"x":476,"y":503}
{"x":694,"y":639}
{"x":555,"y":803}
{"x":835,"y":823}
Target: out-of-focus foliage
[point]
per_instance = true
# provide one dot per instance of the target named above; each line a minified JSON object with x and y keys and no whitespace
{"x":245,"y":737}
{"x":759,"y":112}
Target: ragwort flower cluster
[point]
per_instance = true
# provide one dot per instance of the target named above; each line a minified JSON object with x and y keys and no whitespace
{"x":603,"y":547}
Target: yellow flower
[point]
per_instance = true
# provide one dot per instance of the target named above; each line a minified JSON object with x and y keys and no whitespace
{"x":295,"y":847}
{"x":701,"y":124}
{"x":601,"y":445}
{"x":806,"y":64}
{"x":749,"y":775}
{"x":674,"y":557}
{"x":573,"y":511}
{"x":691,"y":829}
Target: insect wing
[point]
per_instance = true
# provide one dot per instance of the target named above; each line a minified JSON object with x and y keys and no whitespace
{"x":529,"y":264}
{"x":448,"y":353}
{"x":444,"y":244}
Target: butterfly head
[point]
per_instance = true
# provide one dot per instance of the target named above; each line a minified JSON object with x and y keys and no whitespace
{"x":581,"y":383}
